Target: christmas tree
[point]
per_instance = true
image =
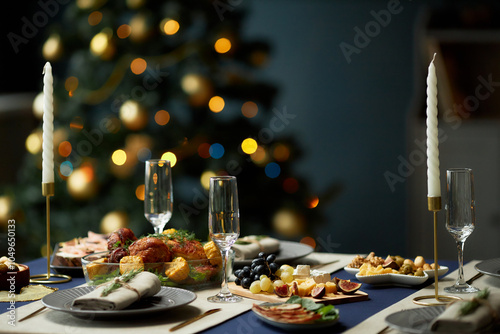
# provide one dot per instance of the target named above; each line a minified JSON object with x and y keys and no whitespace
{"x":141,"y":79}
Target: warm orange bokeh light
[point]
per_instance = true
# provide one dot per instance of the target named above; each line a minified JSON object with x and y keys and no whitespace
{"x":249,"y":109}
{"x":281,"y":152}
{"x":95,"y":18}
{"x":139,"y":192}
{"x":216,"y":104}
{"x":171,"y":27}
{"x":71,"y":84}
{"x":313,"y":202}
{"x":222,"y":45}
{"x":204,"y":150}
{"x":308,"y":241}
{"x":123,"y":31}
{"x":138,"y":66}
{"x":162,"y":117}
{"x":64,"y":148}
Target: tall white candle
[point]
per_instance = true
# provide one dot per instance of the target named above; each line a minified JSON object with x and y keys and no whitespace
{"x":433,"y":184}
{"x":48,"y":127}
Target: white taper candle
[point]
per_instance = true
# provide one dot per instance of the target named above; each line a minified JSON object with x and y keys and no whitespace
{"x":433,"y":183}
{"x":48,"y":127}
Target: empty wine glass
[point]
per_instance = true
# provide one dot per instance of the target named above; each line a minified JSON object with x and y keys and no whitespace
{"x":223,"y":226}
{"x":460,"y":218}
{"x":158,"y":197}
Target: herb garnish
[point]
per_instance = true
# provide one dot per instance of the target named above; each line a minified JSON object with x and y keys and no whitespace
{"x":328,"y":312}
{"x":118,"y":283}
{"x":471,"y":305}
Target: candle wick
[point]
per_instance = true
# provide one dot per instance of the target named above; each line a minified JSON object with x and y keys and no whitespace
{"x":433,"y":57}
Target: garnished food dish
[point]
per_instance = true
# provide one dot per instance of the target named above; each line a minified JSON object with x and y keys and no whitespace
{"x":70,"y":253}
{"x":176,"y":256}
{"x":372,"y":265}
{"x":265,"y":276}
{"x":297,"y":310}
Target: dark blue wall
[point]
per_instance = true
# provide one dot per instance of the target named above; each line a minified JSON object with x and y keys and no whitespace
{"x":351,"y":116}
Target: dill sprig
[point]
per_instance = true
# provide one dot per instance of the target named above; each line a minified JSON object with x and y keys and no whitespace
{"x":471,"y":305}
{"x":118,"y":283}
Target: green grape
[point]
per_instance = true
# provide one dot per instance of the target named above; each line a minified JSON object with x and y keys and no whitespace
{"x":262,"y":277}
{"x":265,"y":283}
{"x":278,"y":283}
{"x":286,"y":269}
{"x":255,"y":287}
{"x":287,"y":277}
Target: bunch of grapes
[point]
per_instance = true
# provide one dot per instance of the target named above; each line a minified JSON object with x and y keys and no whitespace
{"x":263,"y":274}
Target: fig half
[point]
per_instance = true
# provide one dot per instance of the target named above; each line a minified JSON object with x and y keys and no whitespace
{"x":348,"y":287}
{"x":282,"y":290}
{"x":318,"y":292}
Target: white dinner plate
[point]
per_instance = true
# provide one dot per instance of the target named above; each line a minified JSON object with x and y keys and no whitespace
{"x":289,"y":250}
{"x":415,"y":320}
{"x":489,"y":267}
{"x":392,"y":279}
{"x":441,"y":271}
{"x":167,"y":298}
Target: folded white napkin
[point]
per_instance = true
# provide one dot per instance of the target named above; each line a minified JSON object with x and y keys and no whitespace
{"x":250,"y":246}
{"x":144,"y":284}
{"x":452,"y":321}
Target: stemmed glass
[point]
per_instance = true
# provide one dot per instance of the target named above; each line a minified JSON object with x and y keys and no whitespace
{"x":158,"y":197}
{"x":460,"y":218}
{"x":223,"y":226}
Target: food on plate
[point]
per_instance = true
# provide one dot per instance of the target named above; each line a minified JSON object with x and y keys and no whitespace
{"x":13,"y":276}
{"x":131,"y":263}
{"x":69,"y":253}
{"x":151,"y":250}
{"x":297,"y":310}
{"x":393,"y":264}
{"x":358,"y":261}
{"x":265,"y":276}
{"x":174,"y":255}
{"x":178,"y":270}
{"x":213,"y":253}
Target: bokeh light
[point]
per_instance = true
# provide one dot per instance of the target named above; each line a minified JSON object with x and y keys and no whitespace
{"x":138,"y":66}
{"x":65,"y":148}
{"x":139,"y":192}
{"x":222,"y":45}
{"x":290,"y":185}
{"x":170,"y":27}
{"x":308,"y":241}
{"x":123,"y":31}
{"x":162,"y":117}
{"x":259,"y":156}
{"x":312,"y":202}
{"x":34,"y":142}
{"x":205,"y":178}
{"x":204,"y":150}
{"x":272,"y":170}
{"x":66,"y":168}
{"x":191,"y":83}
{"x":170,"y":157}
{"x":249,"y":109}
{"x":249,"y":146}
{"x":71,"y":84}
{"x":119,"y":157}
{"x":216,"y":104}
{"x":95,"y":18}
{"x":281,"y":152}
{"x":38,"y":106}
{"x":216,"y":151}
{"x":101,"y":46}
{"x":76,"y":124}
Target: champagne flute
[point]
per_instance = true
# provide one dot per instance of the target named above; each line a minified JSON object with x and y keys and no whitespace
{"x":158,"y":197}
{"x":460,"y":218}
{"x":223,"y":226}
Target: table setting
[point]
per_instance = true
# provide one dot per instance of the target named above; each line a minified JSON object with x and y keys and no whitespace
{"x":171,"y":281}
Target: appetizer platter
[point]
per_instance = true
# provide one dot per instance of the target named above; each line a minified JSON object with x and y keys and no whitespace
{"x":373,"y":269}
{"x":266,"y":280}
{"x":297,"y":314}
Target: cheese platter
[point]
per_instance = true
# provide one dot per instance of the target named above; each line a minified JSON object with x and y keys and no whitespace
{"x":333,"y":299}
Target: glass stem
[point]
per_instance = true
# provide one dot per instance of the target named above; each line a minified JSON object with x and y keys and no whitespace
{"x":460,"y":248}
{"x":224,"y":289}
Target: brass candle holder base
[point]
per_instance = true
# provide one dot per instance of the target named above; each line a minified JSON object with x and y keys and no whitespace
{"x":47,"y":191}
{"x":434,"y":205}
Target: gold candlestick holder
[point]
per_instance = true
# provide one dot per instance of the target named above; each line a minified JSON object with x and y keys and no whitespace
{"x":47,"y":191}
{"x":434,"y":205}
